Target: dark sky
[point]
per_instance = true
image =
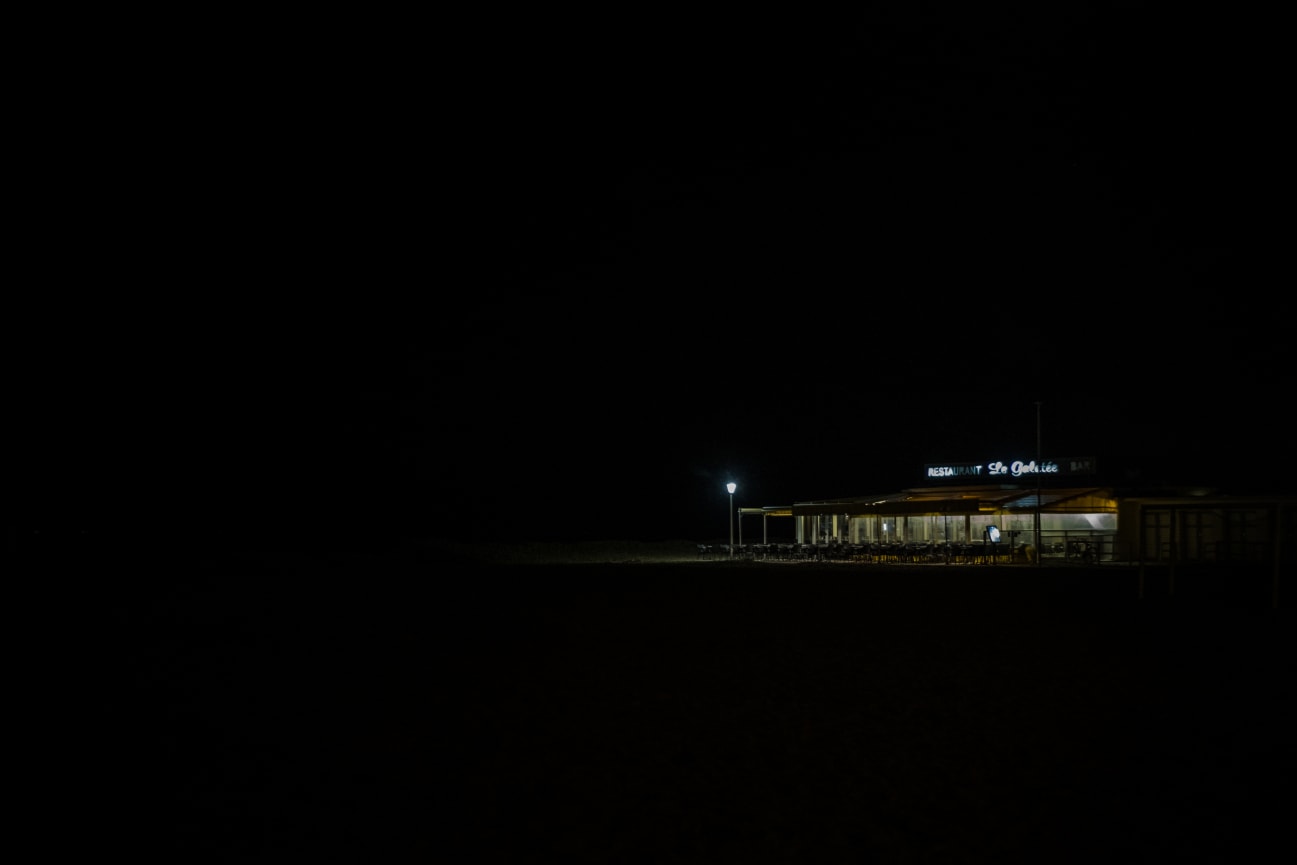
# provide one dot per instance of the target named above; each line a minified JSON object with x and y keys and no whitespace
{"x":811,"y":254}
{"x":564,"y":275}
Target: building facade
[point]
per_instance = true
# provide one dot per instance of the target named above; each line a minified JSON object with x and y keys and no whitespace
{"x":1028,"y":510}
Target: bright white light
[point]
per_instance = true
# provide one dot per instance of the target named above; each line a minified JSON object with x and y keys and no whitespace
{"x":731,"y":487}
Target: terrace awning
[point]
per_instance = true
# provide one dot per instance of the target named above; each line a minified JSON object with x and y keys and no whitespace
{"x":964,"y":500}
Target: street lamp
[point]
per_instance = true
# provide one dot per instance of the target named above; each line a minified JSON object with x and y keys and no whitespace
{"x":731,"y":486}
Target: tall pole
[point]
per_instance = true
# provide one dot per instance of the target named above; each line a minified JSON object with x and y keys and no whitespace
{"x":731,"y":487}
{"x":1038,"y":549}
{"x":731,"y":525}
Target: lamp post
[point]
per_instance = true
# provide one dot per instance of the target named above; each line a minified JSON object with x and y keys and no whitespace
{"x":731,"y":486}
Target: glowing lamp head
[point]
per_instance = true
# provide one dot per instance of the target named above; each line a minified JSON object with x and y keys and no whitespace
{"x":731,"y":487}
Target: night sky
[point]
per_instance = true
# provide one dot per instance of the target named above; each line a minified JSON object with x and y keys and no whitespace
{"x":564,"y":275}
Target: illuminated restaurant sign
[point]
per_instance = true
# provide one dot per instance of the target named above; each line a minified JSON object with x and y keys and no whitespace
{"x":1011,"y":469}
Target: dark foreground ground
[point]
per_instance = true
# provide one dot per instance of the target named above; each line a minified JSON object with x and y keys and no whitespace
{"x":690,"y":712}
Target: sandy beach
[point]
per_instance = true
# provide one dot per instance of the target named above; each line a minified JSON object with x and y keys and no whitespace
{"x":641,"y":711}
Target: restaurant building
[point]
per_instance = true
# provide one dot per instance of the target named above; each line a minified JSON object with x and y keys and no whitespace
{"x":993,"y":510}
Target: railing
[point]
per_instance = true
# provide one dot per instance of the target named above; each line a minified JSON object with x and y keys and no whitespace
{"x":1066,"y":547}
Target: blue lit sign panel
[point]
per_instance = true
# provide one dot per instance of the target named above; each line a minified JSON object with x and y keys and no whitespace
{"x":1001,"y":469}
